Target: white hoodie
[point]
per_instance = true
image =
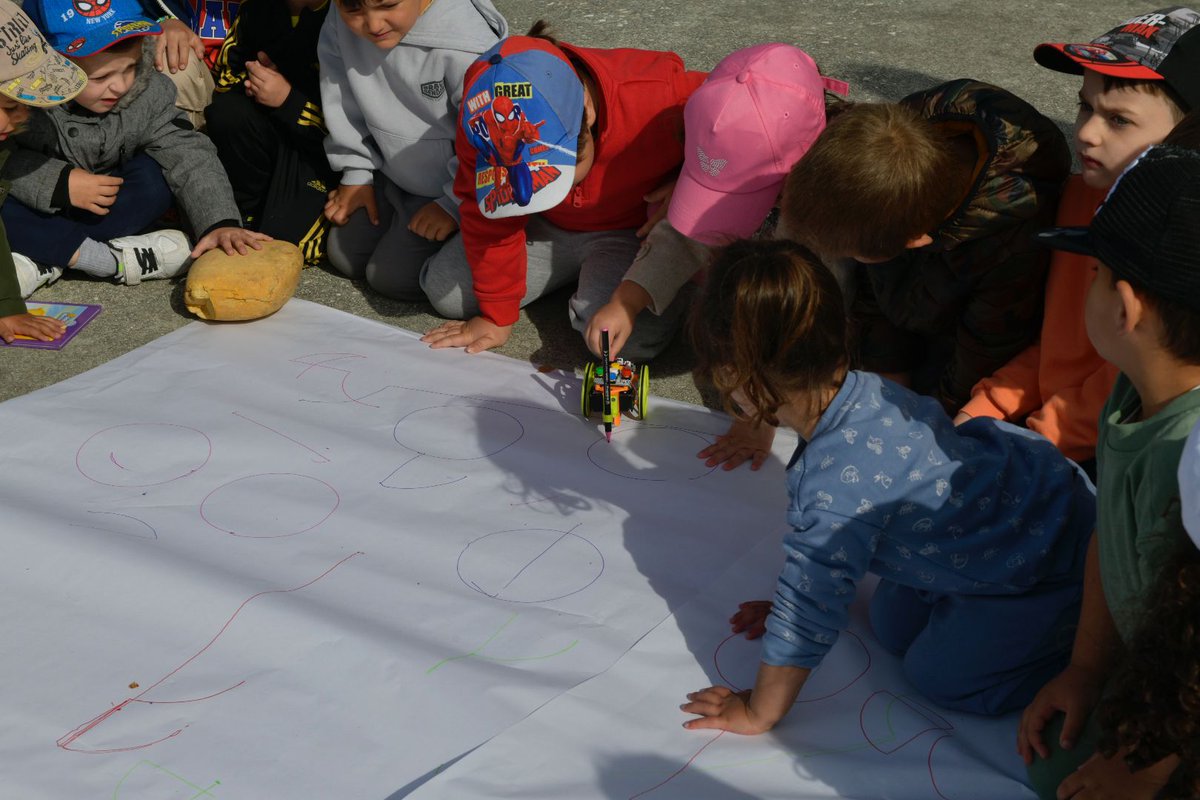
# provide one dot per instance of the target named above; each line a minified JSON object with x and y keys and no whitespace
{"x":396,"y":110}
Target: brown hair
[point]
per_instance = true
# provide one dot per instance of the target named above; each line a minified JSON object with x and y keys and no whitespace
{"x":1186,"y":132}
{"x":1152,"y":705}
{"x":878,"y":176}
{"x":1179,"y":324}
{"x":771,"y":323}
{"x":1157,"y":88}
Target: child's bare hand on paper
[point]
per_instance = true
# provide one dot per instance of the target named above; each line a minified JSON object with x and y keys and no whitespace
{"x":94,"y":193}
{"x":722,"y":709}
{"x":475,"y":335}
{"x":433,"y":223}
{"x":234,"y":241}
{"x":743,"y":442}
{"x":751,"y":617}
{"x":44,"y":329}
{"x":346,"y":199}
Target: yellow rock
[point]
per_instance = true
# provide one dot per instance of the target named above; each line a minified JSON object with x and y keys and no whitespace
{"x":223,"y":287}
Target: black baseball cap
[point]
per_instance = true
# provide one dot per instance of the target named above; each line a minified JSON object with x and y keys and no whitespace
{"x":1162,"y":45}
{"x":1147,"y":231}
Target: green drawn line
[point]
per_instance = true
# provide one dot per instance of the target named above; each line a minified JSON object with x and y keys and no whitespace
{"x":477,"y":652}
{"x":200,"y":790}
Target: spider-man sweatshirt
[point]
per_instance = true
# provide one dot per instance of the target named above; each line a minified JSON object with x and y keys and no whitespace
{"x":638,"y":145}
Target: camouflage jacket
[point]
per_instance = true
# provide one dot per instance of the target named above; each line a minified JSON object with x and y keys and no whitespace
{"x":954,"y":311}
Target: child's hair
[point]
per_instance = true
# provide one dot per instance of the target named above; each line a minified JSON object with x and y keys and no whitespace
{"x":1174,"y":102}
{"x":878,"y":176}
{"x":1180,"y":325}
{"x":771,"y":323}
{"x":123,"y":47}
{"x":355,"y":5}
{"x":1152,"y":708}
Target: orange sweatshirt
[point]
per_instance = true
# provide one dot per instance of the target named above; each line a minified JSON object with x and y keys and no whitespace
{"x":1059,"y":384}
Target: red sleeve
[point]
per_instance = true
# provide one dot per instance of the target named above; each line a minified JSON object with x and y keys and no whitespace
{"x":495,"y":248}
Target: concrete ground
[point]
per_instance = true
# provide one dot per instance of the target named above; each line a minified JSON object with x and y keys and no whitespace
{"x":884,"y":48}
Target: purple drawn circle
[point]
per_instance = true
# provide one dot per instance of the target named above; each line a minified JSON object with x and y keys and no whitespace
{"x":140,"y":454}
{"x":307,"y":502}
{"x":478,"y":432}
{"x":617,"y":459}
{"x":830,"y":679}
{"x":530,"y":565}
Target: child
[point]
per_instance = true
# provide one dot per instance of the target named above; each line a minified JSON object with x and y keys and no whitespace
{"x":34,"y":76}
{"x":1149,"y":735}
{"x":1143,"y":315}
{"x":266,"y":122}
{"x":936,"y":198}
{"x":753,"y":118}
{"x":391,"y":84}
{"x":978,"y":533}
{"x":1058,"y":385}
{"x":182,"y":54}
{"x":553,"y":180}
{"x":88,"y":176}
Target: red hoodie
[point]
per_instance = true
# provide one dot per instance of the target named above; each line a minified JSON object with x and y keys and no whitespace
{"x":639,"y":147}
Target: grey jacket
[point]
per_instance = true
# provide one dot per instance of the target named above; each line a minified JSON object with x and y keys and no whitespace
{"x":146,"y":121}
{"x":396,"y":111}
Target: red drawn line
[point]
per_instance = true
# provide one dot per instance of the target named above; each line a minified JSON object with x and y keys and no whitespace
{"x":324,"y":365}
{"x":677,"y":772}
{"x":113,"y":458}
{"x":70,"y":738}
{"x":801,"y":699}
{"x":290,"y":439}
{"x":937,"y":721}
{"x":929,"y":763}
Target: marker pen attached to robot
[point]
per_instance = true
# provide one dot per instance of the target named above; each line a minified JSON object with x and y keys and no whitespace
{"x":608,"y":413}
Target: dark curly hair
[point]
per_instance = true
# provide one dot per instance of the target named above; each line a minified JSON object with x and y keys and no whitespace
{"x":1152,"y":708}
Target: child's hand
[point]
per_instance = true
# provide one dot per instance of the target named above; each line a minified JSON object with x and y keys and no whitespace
{"x":94,"y":193}
{"x":744,"y":442}
{"x":1103,"y":778}
{"x":751,"y":617}
{"x":172,"y":48}
{"x":1074,"y":692}
{"x":476,"y":335}
{"x":433,"y":223}
{"x":346,"y":199}
{"x":722,"y":709}
{"x":661,"y":196}
{"x":619,"y":321}
{"x":44,"y":329}
{"x":234,"y":241}
{"x":266,"y":84}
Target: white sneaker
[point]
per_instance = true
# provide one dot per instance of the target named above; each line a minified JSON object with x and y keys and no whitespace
{"x":32,"y":276}
{"x":159,"y":254}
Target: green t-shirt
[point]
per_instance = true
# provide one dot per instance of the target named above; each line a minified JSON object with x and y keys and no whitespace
{"x":1138,"y":522}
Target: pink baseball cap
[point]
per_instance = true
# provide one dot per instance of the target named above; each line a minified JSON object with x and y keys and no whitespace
{"x":753,"y":118}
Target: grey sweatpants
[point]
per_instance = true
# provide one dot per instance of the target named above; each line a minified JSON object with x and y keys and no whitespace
{"x":388,"y":255}
{"x":554,"y":258}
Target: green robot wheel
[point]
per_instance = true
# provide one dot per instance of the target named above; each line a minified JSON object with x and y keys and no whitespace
{"x":589,"y":380}
{"x":643,"y":392}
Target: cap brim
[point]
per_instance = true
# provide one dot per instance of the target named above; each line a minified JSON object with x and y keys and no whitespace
{"x":52,"y":82}
{"x":713,"y":217}
{"x":1072,"y":240}
{"x":101,"y":41}
{"x":1055,"y":56}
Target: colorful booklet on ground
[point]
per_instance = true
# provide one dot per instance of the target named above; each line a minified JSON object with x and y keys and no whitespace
{"x":76,"y":315}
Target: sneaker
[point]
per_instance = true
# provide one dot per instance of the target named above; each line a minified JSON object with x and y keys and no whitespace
{"x":160,"y":254}
{"x":32,"y":276}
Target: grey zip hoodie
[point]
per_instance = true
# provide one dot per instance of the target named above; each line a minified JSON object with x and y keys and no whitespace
{"x":146,"y":121}
{"x":396,"y":110}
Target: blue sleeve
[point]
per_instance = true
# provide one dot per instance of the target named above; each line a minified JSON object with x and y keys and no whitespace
{"x":827,"y":555}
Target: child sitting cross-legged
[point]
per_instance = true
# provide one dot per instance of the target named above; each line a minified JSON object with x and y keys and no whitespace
{"x":89,"y":176}
{"x":978,"y":533}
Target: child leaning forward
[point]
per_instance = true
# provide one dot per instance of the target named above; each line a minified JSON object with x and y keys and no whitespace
{"x":978,"y":533}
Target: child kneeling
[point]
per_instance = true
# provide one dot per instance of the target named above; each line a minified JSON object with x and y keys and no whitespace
{"x":979,"y":534}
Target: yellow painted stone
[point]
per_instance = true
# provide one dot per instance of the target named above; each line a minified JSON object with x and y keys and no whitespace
{"x":229,"y":288}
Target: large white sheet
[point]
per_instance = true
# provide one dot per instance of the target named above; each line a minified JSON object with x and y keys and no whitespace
{"x":857,"y":731}
{"x":309,"y":557}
